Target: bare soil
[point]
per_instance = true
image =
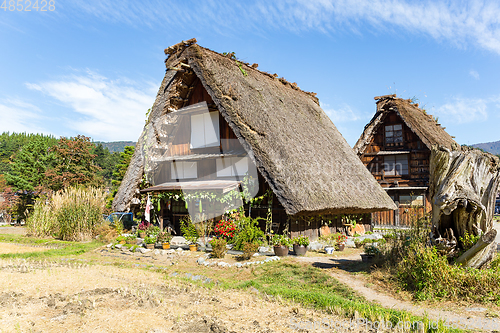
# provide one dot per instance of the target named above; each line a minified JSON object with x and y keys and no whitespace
{"x":81,"y":295}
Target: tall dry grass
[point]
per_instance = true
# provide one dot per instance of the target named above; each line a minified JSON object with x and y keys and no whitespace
{"x":72,"y":214}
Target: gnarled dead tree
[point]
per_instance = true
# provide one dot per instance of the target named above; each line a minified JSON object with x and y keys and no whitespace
{"x":463,"y":188}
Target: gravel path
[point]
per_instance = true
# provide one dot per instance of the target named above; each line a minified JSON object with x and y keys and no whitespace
{"x":465,"y":318}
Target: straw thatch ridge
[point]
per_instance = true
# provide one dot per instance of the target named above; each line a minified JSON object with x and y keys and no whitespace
{"x":295,"y":146}
{"x":422,"y":124}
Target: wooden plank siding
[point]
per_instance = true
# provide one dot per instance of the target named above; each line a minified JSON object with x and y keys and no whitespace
{"x":418,"y":168}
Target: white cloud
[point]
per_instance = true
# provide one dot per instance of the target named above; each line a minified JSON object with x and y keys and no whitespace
{"x":105,"y":109}
{"x":474,"y":74}
{"x":19,"y":116}
{"x":342,"y":114}
{"x":460,"y":23}
{"x":464,"y":110}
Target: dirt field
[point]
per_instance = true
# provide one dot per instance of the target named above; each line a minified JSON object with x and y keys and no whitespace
{"x":72,"y":296}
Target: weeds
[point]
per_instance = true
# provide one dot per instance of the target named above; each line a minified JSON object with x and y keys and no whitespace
{"x":72,"y":214}
{"x":419,"y":268}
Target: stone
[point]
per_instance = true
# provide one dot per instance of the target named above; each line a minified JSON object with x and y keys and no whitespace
{"x":315,"y":246}
{"x":178,"y":240}
{"x":109,"y":245}
{"x":256,"y":254}
{"x":350,"y":243}
{"x":156,"y":252}
{"x":264,"y":249}
{"x":238,"y":264}
{"x":118,"y":246}
{"x":179,"y":249}
{"x":143,"y":250}
{"x":200,"y":260}
{"x":170,"y":251}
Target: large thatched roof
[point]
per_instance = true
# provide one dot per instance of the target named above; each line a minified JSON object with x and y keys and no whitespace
{"x":422,"y":124}
{"x":294,"y":145}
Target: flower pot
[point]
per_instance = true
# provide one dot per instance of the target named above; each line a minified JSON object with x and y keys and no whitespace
{"x":281,"y":251}
{"x":142,"y":234}
{"x":341,"y":247}
{"x":367,"y":257}
{"x":193,"y":247}
{"x":165,"y":246}
{"x":299,"y":250}
{"x":329,"y":249}
{"x":150,"y":246}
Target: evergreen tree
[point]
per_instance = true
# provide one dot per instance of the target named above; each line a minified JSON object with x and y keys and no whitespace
{"x":122,"y":166}
{"x":29,"y":165}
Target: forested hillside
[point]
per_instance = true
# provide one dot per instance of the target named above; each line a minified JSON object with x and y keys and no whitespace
{"x":116,"y":146}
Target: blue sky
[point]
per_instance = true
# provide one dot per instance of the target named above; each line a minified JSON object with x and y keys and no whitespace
{"x":94,"y":67}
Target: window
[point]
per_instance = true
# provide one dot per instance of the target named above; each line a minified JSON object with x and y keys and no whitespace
{"x":412,"y":200}
{"x":396,"y":165}
{"x":205,"y":130}
{"x":184,"y":170}
{"x":232,"y":166}
{"x":394,"y":135}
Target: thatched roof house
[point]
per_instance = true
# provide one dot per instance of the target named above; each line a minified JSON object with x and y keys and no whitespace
{"x":396,"y":146}
{"x":295,"y":147}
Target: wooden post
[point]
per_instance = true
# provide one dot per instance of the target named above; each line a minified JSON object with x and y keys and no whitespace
{"x":396,"y":214}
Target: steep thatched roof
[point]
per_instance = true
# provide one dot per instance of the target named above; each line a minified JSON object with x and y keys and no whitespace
{"x":422,"y":124}
{"x":294,"y":145}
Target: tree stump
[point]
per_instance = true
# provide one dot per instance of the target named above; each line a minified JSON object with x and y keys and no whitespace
{"x":463,"y":187}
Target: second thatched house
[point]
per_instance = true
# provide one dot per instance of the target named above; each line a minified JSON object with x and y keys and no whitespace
{"x":396,"y":147}
{"x":218,"y":122}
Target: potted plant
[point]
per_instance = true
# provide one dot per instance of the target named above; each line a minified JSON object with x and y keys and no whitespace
{"x":131,"y":239}
{"x":164,"y":239}
{"x":330,"y":241}
{"x":150,"y":242}
{"x":370,"y":252}
{"x":142,"y":229}
{"x":340,"y":242}
{"x":190,"y":233}
{"x":358,"y":243}
{"x":281,"y":244}
{"x":121,"y":239}
{"x":300,"y":245}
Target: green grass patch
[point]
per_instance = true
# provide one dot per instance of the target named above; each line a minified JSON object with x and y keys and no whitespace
{"x":314,"y":288}
{"x":63,"y":249}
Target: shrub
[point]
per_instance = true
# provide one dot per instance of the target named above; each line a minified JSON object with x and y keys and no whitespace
{"x":420,"y":269}
{"x":106,"y":233}
{"x":249,"y":233}
{"x":225,"y":229}
{"x":218,"y":247}
{"x":189,"y":231}
{"x":150,"y":239}
{"x":280,"y":240}
{"x":72,"y":214}
{"x":163,"y":237}
{"x":249,"y":249}
{"x":301,"y":240}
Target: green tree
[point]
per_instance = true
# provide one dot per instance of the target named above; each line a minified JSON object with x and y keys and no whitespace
{"x":122,"y":166}
{"x":26,"y":175}
{"x":106,"y":161}
{"x":73,"y":164}
{"x":29,"y":165}
{"x":119,"y":172}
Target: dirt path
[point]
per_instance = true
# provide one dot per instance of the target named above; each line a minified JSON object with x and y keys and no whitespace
{"x":465,"y":318}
